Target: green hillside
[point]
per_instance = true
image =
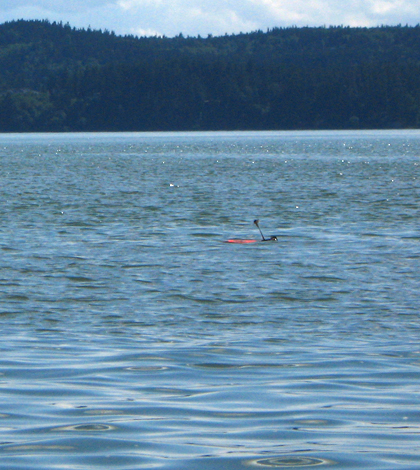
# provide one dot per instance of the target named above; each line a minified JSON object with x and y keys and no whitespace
{"x":57,"y":78}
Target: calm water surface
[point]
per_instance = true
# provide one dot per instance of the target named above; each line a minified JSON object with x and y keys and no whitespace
{"x":133,"y":337}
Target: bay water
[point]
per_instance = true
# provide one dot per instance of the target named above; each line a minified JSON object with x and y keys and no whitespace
{"x":132,"y":336}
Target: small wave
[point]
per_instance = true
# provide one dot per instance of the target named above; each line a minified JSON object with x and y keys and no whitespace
{"x":85,"y":428}
{"x":290,"y":462}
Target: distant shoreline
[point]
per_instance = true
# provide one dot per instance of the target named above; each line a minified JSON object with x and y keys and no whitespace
{"x":54,"y":78}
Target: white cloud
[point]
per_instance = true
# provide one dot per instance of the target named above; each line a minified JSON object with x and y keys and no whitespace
{"x":232,"y":16}
{"x":194,"y":17}
{"x":217,"y":17}
{"x":136,"y":5}
{"x":344,"y":12}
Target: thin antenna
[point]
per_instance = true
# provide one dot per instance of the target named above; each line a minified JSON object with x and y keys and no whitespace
{"x":256,"y":223}
{"x":273,"y":238}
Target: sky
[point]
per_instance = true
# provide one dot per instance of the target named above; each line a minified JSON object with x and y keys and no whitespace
{"x":217,"y":17}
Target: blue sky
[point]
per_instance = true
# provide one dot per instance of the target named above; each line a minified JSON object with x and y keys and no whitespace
{"x":217,"y":17}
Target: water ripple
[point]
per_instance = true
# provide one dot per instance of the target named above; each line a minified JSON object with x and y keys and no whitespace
{"x":291,"y":462}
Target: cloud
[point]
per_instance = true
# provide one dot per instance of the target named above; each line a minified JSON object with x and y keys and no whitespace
{"x":344,"y":12}
{"x":171,"y":17}
{"x":99,"y":14}
{"x":232,"y":16}
{"x":217,"y":17}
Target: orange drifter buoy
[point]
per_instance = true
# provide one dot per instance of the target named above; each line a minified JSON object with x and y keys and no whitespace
{"x":273,"y":238}
{"x":239,"y":240}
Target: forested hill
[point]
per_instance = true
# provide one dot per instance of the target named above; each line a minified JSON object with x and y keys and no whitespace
{"x":57,"y":78}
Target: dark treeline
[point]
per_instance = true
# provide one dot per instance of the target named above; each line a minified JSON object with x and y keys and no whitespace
{"x":57,"y":78}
